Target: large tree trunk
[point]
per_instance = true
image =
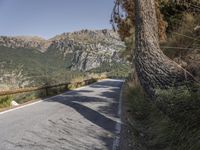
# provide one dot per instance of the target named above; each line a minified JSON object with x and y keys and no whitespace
{"x":154,"y":69}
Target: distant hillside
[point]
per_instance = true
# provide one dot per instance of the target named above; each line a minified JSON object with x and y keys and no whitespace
{"x":26,"y":61}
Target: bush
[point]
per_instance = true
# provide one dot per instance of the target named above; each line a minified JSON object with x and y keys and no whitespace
{"x":184,"y":39}
{"x":180,"y":104}
{"x":139,"y":105}
{"x":170,"y":122}
{"x":5,"y":101}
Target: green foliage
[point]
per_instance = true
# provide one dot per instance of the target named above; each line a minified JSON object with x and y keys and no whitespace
{"x":72,"y":86}
{"x":138,"y":104}
{"x":169,"y":123}
{"x":180,"y":104}
{"x":5,"y":101}
{"x":171,"y":18}
{"x":185,"y":39}
{"x":173,"y":11}
{"x":37,"y":68}
{"x":51,"y":67}
{"x":114,"y":70}
{"x":26,"y":97}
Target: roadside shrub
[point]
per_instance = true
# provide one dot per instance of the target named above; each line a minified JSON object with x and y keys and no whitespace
{"x":138,"y":103}
{"x":180,"y":104}
{"x":183,"y":40}
{"x":5,"y":101}
{"x":170,"y":122}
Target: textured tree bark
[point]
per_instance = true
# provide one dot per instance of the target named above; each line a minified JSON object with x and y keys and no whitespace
{"x":154,"y":69}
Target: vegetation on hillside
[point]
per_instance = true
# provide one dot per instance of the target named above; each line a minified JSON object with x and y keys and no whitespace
{"x":36,"y":68}
{"x":61,"y":59}
{"x":29,"y":67}
{"x":176,"y":129}
{"x":69,"y":57}
{"x":169,"y":120}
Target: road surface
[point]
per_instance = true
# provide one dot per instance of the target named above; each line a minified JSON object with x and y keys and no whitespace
{"x":82,"y":119}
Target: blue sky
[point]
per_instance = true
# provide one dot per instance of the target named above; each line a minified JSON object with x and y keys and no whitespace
{"x":47,"y":18}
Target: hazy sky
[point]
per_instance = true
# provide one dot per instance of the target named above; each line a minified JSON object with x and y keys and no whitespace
{"x":47,"y":18}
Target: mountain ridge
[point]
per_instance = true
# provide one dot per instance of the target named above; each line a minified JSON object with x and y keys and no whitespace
{"x":23,"y":41}
{"x":82,"y":51}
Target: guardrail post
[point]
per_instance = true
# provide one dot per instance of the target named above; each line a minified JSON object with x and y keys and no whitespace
{"x":67,"y":86}
{"x":46,"y":90}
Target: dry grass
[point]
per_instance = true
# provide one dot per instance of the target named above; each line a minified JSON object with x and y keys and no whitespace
{"x":5,"y":101}
{"x":171,"y":122}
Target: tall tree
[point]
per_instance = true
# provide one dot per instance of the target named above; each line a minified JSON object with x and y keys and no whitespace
{"x":154,"y":69}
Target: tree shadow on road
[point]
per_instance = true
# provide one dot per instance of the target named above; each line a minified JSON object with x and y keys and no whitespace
{"x":105,"y":84}
{"x":100,"y":115}
{"x":88,"y":113}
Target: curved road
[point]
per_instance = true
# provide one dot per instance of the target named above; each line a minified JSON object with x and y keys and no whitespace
{"x":82,"y":119}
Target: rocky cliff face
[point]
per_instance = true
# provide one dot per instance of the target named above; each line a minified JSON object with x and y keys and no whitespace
{"x":33,"y":61}
{"x":11,"y":78}
{"x":89,"y":49}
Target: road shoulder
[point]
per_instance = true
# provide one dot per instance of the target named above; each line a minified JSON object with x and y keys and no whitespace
{"x":127,"y":133}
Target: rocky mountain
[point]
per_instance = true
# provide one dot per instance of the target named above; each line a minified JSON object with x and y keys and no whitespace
{"x":83,"y":51}
{"x":24,"y":42}
{"x":89,"y":48}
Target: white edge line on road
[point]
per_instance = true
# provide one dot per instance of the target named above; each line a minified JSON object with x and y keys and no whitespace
{"x":118,"y":125}
{"x":42,"y":100}
{"x":3,"y":112}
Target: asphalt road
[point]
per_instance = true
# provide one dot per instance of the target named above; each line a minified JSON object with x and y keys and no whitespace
{"x":83,"y":119}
